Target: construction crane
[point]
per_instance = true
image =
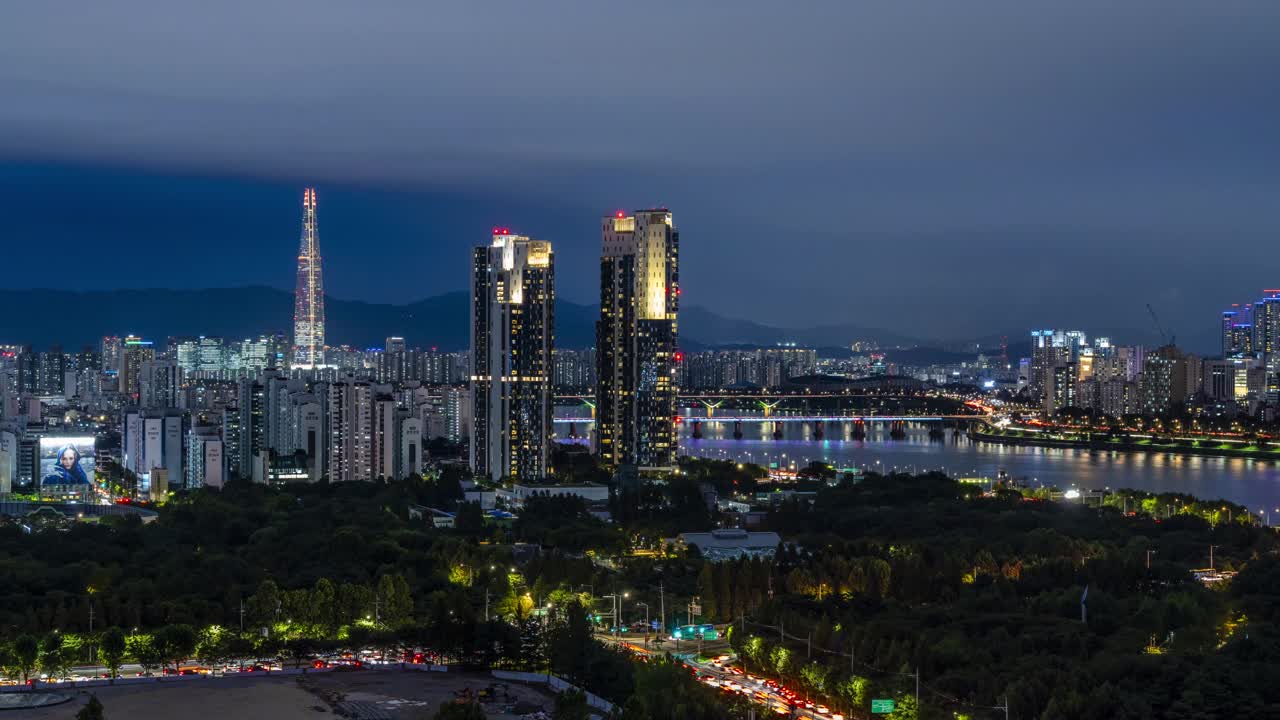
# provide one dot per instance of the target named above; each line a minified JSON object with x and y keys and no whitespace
{"x":1166,"y":339}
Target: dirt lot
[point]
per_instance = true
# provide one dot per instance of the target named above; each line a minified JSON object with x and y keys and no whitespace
{"x":367,"y":694}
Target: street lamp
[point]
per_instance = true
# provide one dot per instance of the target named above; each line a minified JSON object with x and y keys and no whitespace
{"x":646,"y":621}
{"x":615,"y":604}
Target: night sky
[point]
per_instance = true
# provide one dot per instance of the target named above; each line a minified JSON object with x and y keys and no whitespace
{"x":944,"y":169}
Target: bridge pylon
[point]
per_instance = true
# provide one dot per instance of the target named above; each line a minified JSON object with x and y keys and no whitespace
{"x":711,"y":407}
{"x":768,"y":407}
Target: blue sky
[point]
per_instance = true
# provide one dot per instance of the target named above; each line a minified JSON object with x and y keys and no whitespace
{"x":947,"y":168}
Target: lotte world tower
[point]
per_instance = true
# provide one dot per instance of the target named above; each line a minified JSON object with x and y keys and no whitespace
{"x":308,"y":302}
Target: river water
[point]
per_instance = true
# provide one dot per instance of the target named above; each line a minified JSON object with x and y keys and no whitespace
{"x":1252,"y":483}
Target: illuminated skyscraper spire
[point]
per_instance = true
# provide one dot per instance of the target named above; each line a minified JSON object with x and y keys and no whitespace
{"x":308,"y":301}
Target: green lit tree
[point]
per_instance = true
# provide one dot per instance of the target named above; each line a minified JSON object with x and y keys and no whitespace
{"x":111,"y":650}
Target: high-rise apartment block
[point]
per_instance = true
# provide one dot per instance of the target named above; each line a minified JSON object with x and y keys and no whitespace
{"x":512,"y":345}
{"x":636,"y":340}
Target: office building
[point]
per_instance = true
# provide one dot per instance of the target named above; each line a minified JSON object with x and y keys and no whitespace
{"x":158,"y":384}
{"x":112,"y":351}
{"x":636,"y":339}
{"x":1237,"y":331}
{"x":1050,"y":348}
{"x":512,"y":341}
{"x":133,"y":354}
{"x":308,"y":308}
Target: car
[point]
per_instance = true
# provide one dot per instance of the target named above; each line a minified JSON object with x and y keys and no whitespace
{"x":821,"y":710}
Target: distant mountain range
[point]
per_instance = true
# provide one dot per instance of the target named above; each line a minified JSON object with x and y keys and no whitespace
{"x":44,"y":317}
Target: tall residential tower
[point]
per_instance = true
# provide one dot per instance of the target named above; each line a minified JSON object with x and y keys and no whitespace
{"x":512,"y":341}
{"x":308,"y":300}
{"x":636,"y":340}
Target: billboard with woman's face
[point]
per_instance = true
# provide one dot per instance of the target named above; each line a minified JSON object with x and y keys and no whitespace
{"x":67,"y":460}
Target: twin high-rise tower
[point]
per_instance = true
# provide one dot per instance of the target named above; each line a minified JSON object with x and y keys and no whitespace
{"x":636,"y":340}
{"x":513,"y":337}
{"x":512,"y":340}
{"x":308,"y":300}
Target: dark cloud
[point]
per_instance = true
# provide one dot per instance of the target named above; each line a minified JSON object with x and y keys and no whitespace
{"x":1042,"y":149}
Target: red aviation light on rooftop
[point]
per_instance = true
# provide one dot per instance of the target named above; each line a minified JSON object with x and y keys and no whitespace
{"x":620,"y":215}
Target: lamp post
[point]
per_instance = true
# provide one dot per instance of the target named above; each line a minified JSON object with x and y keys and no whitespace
{"x":646,"y":622}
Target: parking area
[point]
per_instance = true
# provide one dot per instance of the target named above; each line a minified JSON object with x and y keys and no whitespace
{"x":360,"y":694}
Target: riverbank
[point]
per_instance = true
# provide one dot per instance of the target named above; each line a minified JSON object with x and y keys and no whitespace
{"x":1101,"y":441}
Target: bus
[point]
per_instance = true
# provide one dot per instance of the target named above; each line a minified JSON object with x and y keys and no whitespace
{"x":695,"y":632}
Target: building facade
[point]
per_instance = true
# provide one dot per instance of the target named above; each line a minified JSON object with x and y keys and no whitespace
{"x":308,"y":307}
{"x":512,"y":346}
{"x":636,"y":340}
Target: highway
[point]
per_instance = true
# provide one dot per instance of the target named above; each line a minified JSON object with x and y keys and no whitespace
{"x":722,"y":673}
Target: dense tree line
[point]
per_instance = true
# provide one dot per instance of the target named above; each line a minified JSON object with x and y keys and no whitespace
{"x":983,"y":594}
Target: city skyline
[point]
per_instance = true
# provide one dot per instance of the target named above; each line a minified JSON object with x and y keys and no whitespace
{"x":823,"y":360}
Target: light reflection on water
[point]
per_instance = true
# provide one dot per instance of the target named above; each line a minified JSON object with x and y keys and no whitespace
{"x":1252,"y":483}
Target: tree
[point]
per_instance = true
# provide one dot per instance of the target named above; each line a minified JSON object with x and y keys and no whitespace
{"x":176,"y":642}
{"x":469,"y":520}
{"x":664,"y":689}
{"x":53,"y":661}
{"x":299,"y":649}
{"x":146,"y":651}
{"x":780,"y":659}
{"x":395,"y":603}
{"x":815,"y":677}
{"x":570,"y":644}
{"x":322,"y":611}
{"x":264,"y":605}
{"x":26,"y":651}
{"x":904,"y":708}
{"x":111,"y":650}
{"x":92,"y":710}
